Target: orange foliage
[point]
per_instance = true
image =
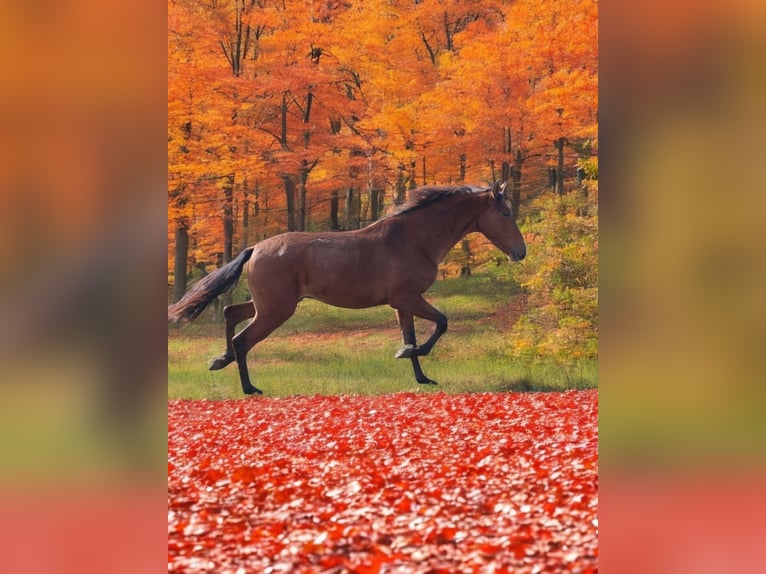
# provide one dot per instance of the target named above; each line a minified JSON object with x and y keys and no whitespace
{"x":323,"y":97}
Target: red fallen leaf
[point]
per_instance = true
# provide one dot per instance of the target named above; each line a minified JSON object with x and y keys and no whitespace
{"x":328,"y":561}
{"x":243,"y":474}
{"x":266,"y":531}
{"x":451,"y":480}
{"x":213,"y":475}
{"x":490,"y":549}
{"x":403,"y":505}
{"x":519,"y":549}
{"x":445,"y":535}
{"x":371,"y":563}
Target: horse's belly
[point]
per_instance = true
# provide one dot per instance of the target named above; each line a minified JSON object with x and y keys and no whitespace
{"x":344,"y":283}
{"x":350,"y":303}
{"x":350,"y":295}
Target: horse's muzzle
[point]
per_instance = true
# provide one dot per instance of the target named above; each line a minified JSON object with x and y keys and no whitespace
{"x":517,"y":255}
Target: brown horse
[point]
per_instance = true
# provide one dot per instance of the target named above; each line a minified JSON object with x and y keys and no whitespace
{"x":394,"y":261}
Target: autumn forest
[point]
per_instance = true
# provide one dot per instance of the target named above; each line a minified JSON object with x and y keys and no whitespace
{"x":316,"y":115}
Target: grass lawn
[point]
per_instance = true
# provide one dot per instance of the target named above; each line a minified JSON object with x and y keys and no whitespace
{"x":327,"y":350}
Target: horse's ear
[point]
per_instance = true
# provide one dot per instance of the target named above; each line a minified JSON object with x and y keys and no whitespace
{"x":498,"y":189}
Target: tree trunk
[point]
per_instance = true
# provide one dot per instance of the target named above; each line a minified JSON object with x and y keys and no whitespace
{"x":401,"y":189}
{"x":283,"y":118}
{"x":465,"y":268}
{"x":306,"y":118}
{"x":290,"y":201}
{"x":181,"y":257}
{"x":507,"y":139}
{"x":559,"y":143}
{"x":301,"y":220}
{"x":228,"y":233}
{"x":228,"y":218}
{"x":245,"y":215}
{"x":374,"y":204}
{"x":305,"y":168}
{"x":334,"y":223}
{"x":349,"y":209}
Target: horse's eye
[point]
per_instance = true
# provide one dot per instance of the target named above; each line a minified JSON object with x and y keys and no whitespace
{"x":506,"y":212}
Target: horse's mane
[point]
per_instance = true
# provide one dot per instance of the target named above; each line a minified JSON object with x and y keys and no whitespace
{"x":430,"y":194}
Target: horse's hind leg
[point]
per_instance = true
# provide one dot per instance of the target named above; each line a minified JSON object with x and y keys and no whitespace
{"x":407,"y":323}
{"x":257,"y":330}
{"x":233,"y":314}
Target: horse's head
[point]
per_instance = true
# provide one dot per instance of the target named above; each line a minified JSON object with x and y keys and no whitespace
{"x":499,"y":226}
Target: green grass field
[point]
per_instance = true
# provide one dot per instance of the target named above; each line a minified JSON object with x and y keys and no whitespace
{"x":326,"y":350}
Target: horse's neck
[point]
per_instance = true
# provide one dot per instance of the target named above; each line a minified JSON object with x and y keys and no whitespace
{"x":450,"y":222}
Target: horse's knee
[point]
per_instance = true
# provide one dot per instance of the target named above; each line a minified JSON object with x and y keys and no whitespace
{"x":239,"y":344}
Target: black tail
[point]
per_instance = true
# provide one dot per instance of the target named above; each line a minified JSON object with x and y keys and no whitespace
{"x":206,"y":289}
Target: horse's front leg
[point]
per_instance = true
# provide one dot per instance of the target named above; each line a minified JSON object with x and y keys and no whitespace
{"x":407,"y":323}
{"x":419,"y":307}
{"x":233,"y":315}
{"x":416,"y":306}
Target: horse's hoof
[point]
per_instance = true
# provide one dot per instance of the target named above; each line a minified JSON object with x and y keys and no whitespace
{"x":427,"y":382}
{"x":220,"y":363}
{"x":407,"y":352}
{"x":252,"y":391}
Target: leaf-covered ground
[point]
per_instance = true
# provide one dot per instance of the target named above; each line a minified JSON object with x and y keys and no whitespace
{"x":486,"y":482}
